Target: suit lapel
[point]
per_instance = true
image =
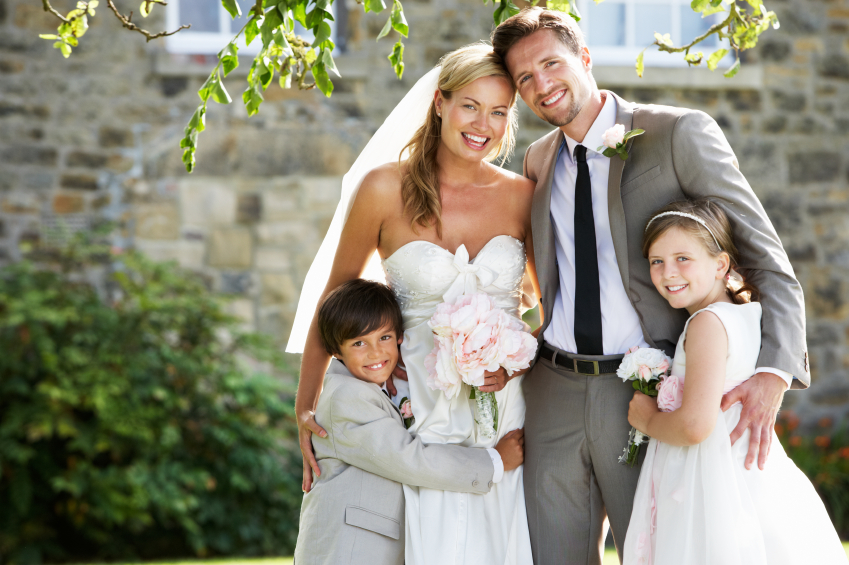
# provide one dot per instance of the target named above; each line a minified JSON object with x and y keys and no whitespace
{"x":616,"y":211}
{"x":544,"y":252}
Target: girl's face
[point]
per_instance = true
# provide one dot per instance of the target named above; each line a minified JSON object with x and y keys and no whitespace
{"x":475,"y":118}
{"x":684,"y":273}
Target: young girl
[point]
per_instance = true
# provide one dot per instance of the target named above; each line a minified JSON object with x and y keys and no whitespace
{"x":696,"y":504}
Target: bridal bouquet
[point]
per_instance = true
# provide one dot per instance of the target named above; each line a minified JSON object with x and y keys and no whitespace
{"x":471,"y":336}
{"x":645,"y":367}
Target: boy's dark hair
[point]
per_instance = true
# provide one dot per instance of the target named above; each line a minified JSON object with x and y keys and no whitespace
{"x":357,"y":307}
{"x":531,"y":20}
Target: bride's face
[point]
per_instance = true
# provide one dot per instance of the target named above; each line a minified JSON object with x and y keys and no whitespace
{"x":475,"y":118}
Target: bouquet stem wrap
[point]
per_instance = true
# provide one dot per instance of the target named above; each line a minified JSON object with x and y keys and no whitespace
{"x":487,"y":412}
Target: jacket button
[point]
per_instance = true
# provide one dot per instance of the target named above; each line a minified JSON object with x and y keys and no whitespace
{"x":489,"y":484}
{"x":474,"y":483}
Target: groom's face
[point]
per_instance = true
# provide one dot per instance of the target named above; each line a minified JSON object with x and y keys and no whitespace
{"x":553,"y":81}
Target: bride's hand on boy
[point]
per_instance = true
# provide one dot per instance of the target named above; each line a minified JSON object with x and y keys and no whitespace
{"x":641,"y":409}
{"x":306,"y":427}
{"x":761,"y":396}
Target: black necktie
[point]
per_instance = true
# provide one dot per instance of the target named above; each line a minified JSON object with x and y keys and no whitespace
{"x":588,"y":336}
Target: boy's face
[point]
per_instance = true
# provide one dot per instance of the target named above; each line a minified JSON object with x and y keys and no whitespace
{"x":371,"y":357}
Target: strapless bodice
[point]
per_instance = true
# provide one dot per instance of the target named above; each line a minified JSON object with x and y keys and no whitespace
{"x":423,"y":274}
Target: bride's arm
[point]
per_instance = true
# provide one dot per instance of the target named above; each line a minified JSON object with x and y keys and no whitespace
{"x":358,"y":242}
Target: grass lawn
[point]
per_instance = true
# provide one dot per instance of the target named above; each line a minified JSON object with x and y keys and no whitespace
{"x":609,"y":559}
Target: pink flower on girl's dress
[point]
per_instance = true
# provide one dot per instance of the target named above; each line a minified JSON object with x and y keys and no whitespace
{"x":670,"y":394}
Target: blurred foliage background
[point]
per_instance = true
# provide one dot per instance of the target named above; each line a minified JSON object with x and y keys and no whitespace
{"x":137,"y":420}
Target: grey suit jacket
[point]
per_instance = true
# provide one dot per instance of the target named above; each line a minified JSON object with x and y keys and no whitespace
{"x":682,"y":155}
{"x":355,"y":512}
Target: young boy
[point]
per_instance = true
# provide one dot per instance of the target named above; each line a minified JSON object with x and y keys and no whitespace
{"x":355,"y":512}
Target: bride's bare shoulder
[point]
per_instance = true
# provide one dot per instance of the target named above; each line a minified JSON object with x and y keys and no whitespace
{"x":522,"y":187}
{"x":381,"y":184}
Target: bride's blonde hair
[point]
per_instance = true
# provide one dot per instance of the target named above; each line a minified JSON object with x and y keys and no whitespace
{"x":420,"y":182}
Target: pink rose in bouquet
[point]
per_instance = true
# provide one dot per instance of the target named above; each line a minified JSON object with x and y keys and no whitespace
{"x":473,"y":336}
{"x":670,"y":394}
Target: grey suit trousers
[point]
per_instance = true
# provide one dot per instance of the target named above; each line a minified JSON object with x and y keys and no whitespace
{"x":575,"y":429}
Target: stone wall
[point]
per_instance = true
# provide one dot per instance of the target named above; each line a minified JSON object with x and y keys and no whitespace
{"x":96,"y":136}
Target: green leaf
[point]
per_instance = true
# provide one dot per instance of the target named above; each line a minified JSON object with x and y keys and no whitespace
{"x":300,"y":13}
{"x":712,"y":10}
{"x":252,"y":97}
{"x":91,"y":6}
{"x":206,"y":87}
{"x":229,"y":57}
{"x":189,"y":159}
{"x":198,"y":120}
{"x":285,"y":79}
{"x":504,"y":11}
{"x":387,"y":27}
{"x":623,"y":154}
{"x":48,"y":36}
{"x":145,"y":7}
{"x":568,"y":6}
{"x":608,"y":152}
{"x":20,"y":491}
{"x":397,"y":58}
{"x":694,"y":58}
{"x":329,"y":63}
{"x":399,"y":22}
{"x":265,"y":72}
{"x":323,"y":34}
{"x":733,"y":70}
{"x":64,"y":48}
{"x":640,"y":66}
{"x":375,"y":6}
{"x":322,"y":79}
{"x":699,"y":5}
{"x":232,"y":7}
{"x":633,"y":133}
{"x":220,"y":94}
{"x":756,"y":4}
{"x":324,"y":5}
{"x":251,"y":30}
{"x":714,"y":59}
{"x":270,"y":23}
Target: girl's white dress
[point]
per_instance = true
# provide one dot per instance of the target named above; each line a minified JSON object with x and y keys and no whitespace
{"x":698,"y":505}
{"x":452,"y":528}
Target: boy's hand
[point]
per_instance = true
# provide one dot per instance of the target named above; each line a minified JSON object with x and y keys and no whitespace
{"x":511,"y":448}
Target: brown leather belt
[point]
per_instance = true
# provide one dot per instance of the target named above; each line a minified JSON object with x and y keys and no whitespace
{"x":579,"y":363}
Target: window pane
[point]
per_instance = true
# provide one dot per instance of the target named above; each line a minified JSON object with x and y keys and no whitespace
{"x":651,"y":18}
{"x":693,"y":25}
{"x":607,"y":25}
{"x":202,"y":14}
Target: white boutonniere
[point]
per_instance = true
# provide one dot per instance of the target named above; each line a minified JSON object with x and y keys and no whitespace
{"x":614,"y":140}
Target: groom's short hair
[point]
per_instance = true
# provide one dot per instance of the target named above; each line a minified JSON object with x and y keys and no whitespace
{"x":529,"y":21}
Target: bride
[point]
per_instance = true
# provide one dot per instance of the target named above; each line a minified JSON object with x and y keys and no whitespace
{"x":443,"y":220}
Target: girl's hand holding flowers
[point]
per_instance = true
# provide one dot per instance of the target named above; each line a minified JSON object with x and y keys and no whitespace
{"x":641,"y":410}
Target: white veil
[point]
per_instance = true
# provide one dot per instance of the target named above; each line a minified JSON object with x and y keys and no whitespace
{"x":384,"y":147}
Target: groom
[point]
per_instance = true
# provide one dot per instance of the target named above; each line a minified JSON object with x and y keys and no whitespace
{"x":589,"y":213}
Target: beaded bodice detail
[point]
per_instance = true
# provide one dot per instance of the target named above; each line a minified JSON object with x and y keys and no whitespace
{"x":423,"y":274}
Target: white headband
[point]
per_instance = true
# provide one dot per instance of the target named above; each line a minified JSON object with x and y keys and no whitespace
{"x":690,"y":216}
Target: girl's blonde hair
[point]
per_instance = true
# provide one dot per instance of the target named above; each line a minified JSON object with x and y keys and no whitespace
{"x":420,"y":182}
{"x":738,"y":289}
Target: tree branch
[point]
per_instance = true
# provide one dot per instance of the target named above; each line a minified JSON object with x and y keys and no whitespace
{"x":125,"y":21}
{"x":52,"y":10}
{"x":716,"y":28}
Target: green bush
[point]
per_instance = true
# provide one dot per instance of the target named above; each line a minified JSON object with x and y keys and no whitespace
{"x":131,"y":427}
{"x":823,"y":455}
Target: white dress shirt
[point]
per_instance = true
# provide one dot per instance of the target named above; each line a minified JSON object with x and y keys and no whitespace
{"x":619,"y":321}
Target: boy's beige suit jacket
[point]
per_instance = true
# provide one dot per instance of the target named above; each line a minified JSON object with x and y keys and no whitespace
{"x":355,"y":511}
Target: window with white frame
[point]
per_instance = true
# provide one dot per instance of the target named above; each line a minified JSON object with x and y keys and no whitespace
{"x":213,"y":28}
{"x":617,"y":30}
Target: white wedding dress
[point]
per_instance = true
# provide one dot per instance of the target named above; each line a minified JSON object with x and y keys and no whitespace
{"x":450,"y":528}
{"x":699,"y":505}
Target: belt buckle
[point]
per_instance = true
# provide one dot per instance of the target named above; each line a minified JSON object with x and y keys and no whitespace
{"x":586,"y":370}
